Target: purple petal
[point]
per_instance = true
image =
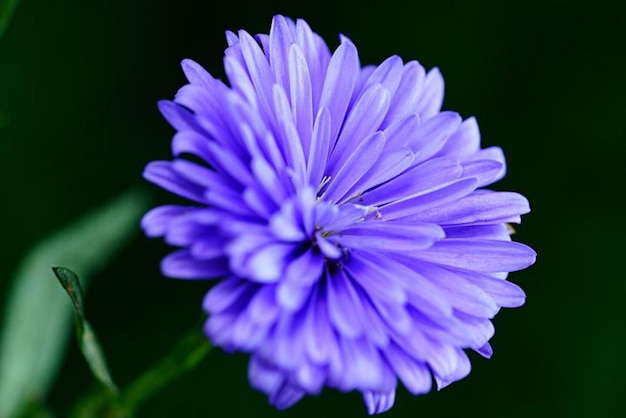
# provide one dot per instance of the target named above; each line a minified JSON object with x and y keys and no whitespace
{"x":240,"y":79}
{"x":400,"y":132}
{"x":387,"y":167}
{"x":222,"y":197}
{"x":407,"y":94}
{"x":191,"y":142}
{"x":299,"y":276}
{"x":344,"y":306}
{"x":486,"y":351}
{"x":364,"y":366}
{"x":376,"y":285}
{"x":493,"y":154}
{"x":463,"y":295}
{"x":317,"y":57}
{"x":341,"y":76}
{"x":246,"y":334}
{"x":480,"y":329}
{"x":196,"y":74}
{"x":462,"y":369}
{"x":319,"y":338}
{"x":432,"y":96}
{"x":361,"y":122}
{"x":209,"y":246}
{"x":503,"y":292}
{"x":231,"y":38}
{"x":287,"y":133}
{"x":428,"y":175}
{"x":268,"y":180}
{"x":286,"y":347}
{"x":422,"y":293}
{"x":259,"y":70}
{"x":286,"y":395}
{"x":327,"y":248}
{"x":355,"y":167}
{"x":320,"y":146}
{"x":162,"y":174}
{"x":229,"y":164}
{"x":179,"y":117}
{"x":267,"y":264}
{"x":463,"y":143}
{"x":477,"y":209}
{"x":377,"y":403}
{"x":184,"y":231}
{"x":485,"y":171}
{"x":491,"y":231}
{"x":428,"y":199}
{"x":263,"y":376}
{"x":206,"y":107}
{"x":395,"y":315}
{"x":226,"y":293}
{"x":301,"y":96}
{"x":391,"y":236}
{"x":291,"y":296}
{"x":480,"y":255}
{"x":377,"y":331}
{"x":284,"y":224}
{"x":432,"y":134}
{"x":415,"y":375}
{"x":198,"y":174}
{"x":262,"y":308}
{"x":281,"y":37}
{"x":388,"y":74}
{"x":305,"y":270}
{"x":182,"y":265}
{"x":310,"y":377}
{"x":156,"y":221}
{"x":258,"y":202}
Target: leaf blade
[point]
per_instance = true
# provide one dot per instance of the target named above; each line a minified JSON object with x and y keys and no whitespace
{"x":37,"y":314}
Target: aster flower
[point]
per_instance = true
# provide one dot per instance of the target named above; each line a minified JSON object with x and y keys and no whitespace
{"x":342,"y":215}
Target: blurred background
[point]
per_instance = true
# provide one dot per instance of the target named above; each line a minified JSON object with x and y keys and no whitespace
{"x":79,"y":81}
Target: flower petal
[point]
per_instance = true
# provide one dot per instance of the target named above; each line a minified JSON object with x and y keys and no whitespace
{"x":414,"y":374}
{"x":182,"y":265}
{"x":267,"y":264}
{"x":407,"y":94}
{"x":480,"y":255}
{"x":477,"y":209}
{"x":362,"y":121}
{"x":428,"y":175}
{"x":357,"y":165}
{"x":344,"y":306}
{"x":431,"y":98}
{"x":341,"y":76}
{"x":377,"y":403}
{"x":301,"y":96}
{"x":162,"y":174}
{"x":156,"y":221}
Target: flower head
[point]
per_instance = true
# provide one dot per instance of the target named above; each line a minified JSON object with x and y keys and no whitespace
{"x":342,"y":215}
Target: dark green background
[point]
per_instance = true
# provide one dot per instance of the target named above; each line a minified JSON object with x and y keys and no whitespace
{"x":546,"y":79}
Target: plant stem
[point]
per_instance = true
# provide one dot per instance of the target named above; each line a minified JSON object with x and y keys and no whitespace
{"x":186,"y":355}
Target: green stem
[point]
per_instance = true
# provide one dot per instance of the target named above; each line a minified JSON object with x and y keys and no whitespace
{"x":185,"y":356}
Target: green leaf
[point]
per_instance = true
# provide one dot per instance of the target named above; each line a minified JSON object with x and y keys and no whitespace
{"x":7,"y":7}
{"x":87,"y":340}
{"x":37,"y":316}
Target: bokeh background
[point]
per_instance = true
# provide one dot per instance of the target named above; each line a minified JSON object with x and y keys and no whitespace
{"x":79,"y":80}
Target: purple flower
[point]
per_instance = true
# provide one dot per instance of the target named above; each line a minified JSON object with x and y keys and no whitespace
{"x":342,"y":215}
